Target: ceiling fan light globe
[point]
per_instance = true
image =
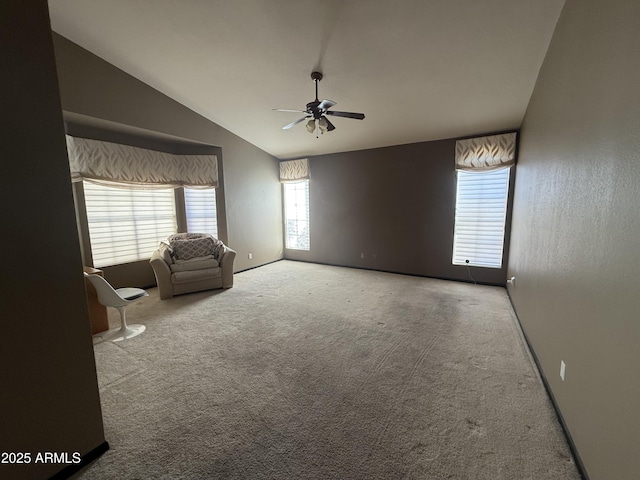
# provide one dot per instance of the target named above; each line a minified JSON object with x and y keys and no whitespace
{"x":311,"y":126}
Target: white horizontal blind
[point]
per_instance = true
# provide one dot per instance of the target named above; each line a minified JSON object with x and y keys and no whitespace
{"x":481,"y":207}
{"x":296,"y":212}
{"x":126,"y":224}
{"x":200,"y":206}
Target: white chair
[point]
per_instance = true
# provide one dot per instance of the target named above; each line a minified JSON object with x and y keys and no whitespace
{"x":119,"y":299}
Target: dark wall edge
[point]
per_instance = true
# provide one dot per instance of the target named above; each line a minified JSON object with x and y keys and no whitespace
{"x":87,"y":459}
{"x":565,"y":428}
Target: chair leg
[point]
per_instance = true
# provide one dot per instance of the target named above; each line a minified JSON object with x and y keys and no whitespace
{"x":125,"y":331}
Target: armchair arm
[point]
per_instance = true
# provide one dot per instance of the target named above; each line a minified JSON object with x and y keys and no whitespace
{"x":163,"y":275}
{"x":226,"y":264}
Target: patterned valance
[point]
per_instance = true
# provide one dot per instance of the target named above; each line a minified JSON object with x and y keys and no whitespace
{"x":109,"y":163}
{"x":294,"y":170}
{"x":486,"y":153}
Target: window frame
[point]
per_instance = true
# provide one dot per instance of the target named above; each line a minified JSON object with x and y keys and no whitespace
{"x":200,"y":221}
{"x":482,"y":254}
{"x":164,"y":224}
{"x":293,"y":241}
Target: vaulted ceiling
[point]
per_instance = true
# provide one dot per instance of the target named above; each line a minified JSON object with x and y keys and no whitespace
{"x":418,"y":69}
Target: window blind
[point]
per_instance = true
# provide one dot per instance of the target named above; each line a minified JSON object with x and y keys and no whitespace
{"x":200,"y":206}
{"x":296,"y":206}
{"x":481,"y":206}
{"x":125,"y":224}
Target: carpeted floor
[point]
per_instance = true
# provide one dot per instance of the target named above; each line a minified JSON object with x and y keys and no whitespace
{"x":306,"y":371}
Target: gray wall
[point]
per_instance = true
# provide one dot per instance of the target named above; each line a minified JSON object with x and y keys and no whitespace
{"x":48,"y":389}
{"x":394,"y":204}
{"x":576,"y":230}
{"x":251,"y":205}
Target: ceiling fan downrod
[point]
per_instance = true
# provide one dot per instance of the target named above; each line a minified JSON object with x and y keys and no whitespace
{"x":316,"y":77}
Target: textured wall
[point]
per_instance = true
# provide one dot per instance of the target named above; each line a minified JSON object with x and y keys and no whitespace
{"x":48,"y":389}
{"x":394,"y":204}
{"x":576,"y":230}
{"x":90,"y":86}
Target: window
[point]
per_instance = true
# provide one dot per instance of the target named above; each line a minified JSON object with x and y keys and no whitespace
{"x":296,"y":213}
{"x":481,"y":207}
{"x":200,"y":206}
{"x":125,"y":224}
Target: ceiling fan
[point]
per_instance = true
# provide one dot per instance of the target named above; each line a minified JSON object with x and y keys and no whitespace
{"x":316,"y":112}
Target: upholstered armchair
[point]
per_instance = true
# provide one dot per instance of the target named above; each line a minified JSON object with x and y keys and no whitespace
{"x":192,"y":262}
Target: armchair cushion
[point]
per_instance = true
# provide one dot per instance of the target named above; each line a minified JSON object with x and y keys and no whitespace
{"x":192,"y":245}
{"x":193,"y":275}
{"x":197,"y":263}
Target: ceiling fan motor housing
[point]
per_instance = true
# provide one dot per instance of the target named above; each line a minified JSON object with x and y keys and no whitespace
{"x":312,"y":109}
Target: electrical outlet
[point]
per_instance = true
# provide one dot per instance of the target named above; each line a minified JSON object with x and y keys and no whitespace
{"x":250,"y":256}
{"x":563,"y":369}
{"x":361,"y":254}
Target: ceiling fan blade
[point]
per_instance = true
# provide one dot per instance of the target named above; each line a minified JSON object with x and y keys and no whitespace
{"x":324,"y":104}
{"x":287,"y":127}
{"x":356,"y":116}
{"x":330,"y":126}
{"x":287,"y":110}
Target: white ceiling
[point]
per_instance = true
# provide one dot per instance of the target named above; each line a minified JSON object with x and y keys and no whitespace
{"x":418,"y":69}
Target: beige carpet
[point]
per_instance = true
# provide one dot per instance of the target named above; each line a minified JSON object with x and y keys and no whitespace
{"x":306,"y":371}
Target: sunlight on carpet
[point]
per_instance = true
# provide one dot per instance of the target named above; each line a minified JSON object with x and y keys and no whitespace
{"x":309,"y":371}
